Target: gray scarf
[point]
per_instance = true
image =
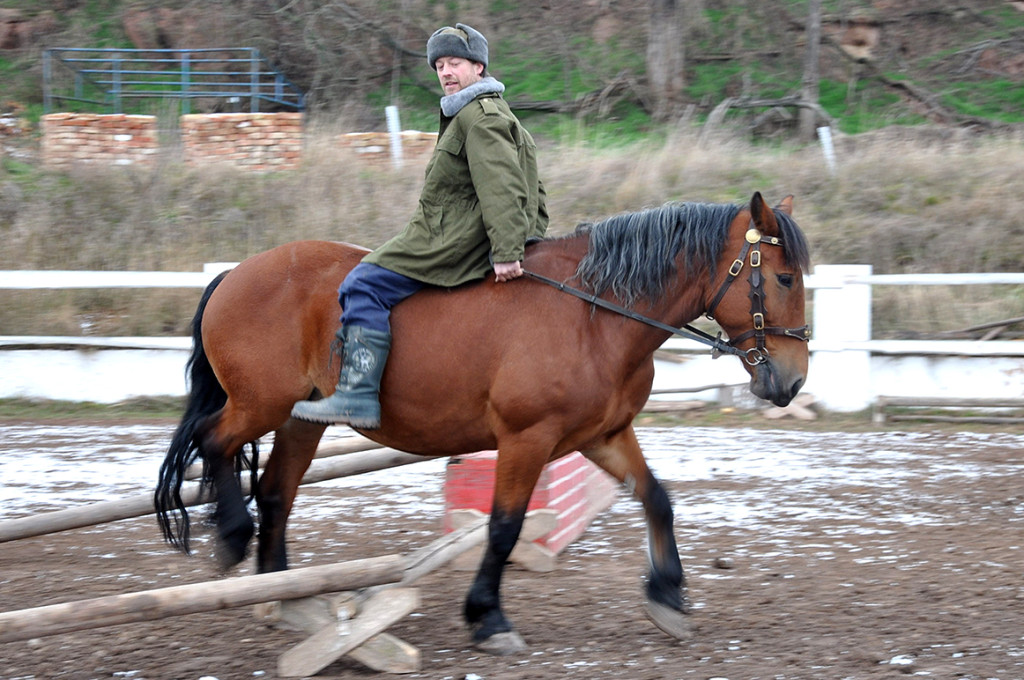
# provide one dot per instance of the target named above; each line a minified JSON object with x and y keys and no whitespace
{"x":453,"y":103}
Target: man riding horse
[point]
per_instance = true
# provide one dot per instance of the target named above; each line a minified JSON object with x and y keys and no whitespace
{"x":481,"y":200}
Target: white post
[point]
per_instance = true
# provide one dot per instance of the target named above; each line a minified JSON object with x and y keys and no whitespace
{"x":825,"y":137}
{"x":395,"y":131}
{"x":840,"y":372}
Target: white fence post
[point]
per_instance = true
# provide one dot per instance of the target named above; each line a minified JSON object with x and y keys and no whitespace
{"x":395,"y":133}
{"x":842,"y":316}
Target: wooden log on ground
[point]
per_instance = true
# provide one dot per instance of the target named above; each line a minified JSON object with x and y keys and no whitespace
{"x":142,"y":504}
{"x":359,"y":463}
{"x":87,"y":515}
{"x":383,"y":652}
{"x":660,"y":406}
{"x":799,"y":408}
{"x":471,"y":533}
{"x":353,"y":444}
{"x":388,"y":654}
{"x":353,"y":624}
{"x":340,"y":637}
{"x":199,"y":597}
{"x":299,"y":613}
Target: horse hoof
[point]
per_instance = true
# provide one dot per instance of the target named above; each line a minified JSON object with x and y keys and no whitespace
{"x":671,"y":621}
{"x":232,"y":545}
{"x":503,"y":644}
{"x":226,"y":558}
{"x":229,"y":554}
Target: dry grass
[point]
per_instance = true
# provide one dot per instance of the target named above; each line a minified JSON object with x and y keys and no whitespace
{"x":902,"y":201}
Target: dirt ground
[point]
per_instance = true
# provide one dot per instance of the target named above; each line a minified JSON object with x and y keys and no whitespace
{"x":912,"y":570}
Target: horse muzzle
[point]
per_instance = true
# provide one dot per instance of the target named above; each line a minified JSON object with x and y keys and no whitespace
{"x":768,"y":381}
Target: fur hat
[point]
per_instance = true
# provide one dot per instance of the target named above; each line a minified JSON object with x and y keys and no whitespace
{"x":462,"y":41}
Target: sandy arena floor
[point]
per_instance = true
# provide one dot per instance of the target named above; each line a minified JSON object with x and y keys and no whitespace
{"x":867,"y":555}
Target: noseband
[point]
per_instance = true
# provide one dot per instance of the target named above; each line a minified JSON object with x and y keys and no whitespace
{"x":757,"y":354}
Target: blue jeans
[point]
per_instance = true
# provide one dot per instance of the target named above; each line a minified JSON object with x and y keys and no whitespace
{"x":369,"y":292}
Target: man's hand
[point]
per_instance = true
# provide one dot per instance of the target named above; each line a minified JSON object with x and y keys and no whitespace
{"x":506,"y":271}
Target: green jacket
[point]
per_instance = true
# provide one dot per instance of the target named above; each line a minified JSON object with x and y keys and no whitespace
{"x":481,"y":200}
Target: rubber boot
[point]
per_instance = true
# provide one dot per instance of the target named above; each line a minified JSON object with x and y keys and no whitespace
{"x":356,"y":400}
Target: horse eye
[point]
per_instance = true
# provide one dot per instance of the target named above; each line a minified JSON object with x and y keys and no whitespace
{"x":785,"y":279}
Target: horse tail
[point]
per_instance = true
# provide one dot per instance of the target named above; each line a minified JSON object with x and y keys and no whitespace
{"x":206,"y":396}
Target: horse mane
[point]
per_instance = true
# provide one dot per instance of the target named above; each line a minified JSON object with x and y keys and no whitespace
{"x":634,"y":254}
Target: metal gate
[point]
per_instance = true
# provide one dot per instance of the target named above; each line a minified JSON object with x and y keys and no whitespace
{"x":117,"y":80}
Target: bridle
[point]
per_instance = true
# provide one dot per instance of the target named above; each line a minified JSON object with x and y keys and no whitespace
{"x":757,"y":354}
{"x":753,"y":356}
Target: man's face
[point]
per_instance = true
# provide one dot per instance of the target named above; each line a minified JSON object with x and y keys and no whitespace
{"x":456,"y":73}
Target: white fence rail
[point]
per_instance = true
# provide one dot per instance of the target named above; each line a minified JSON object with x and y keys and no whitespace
{"x":849,"y":369}
{"x":64,"y":279}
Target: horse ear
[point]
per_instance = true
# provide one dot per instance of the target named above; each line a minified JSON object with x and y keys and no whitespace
{"x":786,"y":205}
{"x":762,"y":216}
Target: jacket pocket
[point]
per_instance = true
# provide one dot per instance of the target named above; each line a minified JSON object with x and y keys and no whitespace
{"x":431,"y":223}
{"x":451,"y":144}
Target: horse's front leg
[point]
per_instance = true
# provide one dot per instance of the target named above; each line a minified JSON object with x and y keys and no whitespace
{"x":667,"y":603}
{"x":516,"y":474}
{"x":295,"y":445}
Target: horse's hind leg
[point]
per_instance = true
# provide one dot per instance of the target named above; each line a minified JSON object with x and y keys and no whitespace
{"x":221,"y":439}
{"x":234,"y":524}
{"x":667,"y":603}
{"x":295,"y":445}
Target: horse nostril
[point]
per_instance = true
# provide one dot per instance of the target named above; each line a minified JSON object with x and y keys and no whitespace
{"x":797,"y":384}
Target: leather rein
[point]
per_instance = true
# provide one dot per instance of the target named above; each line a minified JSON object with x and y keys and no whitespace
{"x":758,"y":354}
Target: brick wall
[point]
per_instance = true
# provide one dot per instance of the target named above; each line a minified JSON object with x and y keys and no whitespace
{"x":253,"y":141}
{"x":375,"y":147}
{"x":116,"y":139}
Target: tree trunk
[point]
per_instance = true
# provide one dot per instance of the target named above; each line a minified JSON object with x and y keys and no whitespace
{"x":809,"y":85}
{"x":665,"y":57}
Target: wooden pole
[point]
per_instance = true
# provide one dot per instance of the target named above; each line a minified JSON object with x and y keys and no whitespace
{"x":368,"y":613}
{"x":199,"y":597}
{"x":88,"y":515}
{"x":359,"y":463}
{"x":141,"y":505}
{"x":353,"y":444}
{"x":445,"y":549}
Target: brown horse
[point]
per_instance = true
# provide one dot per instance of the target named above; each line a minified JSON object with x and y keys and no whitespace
{"x":520,"y":367}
